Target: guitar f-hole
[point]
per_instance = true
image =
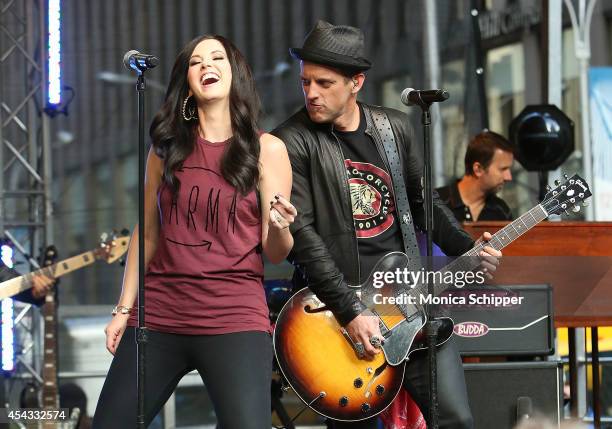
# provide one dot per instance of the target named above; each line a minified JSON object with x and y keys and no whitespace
{"x":378,"y":371}
{"x":308,"y":309}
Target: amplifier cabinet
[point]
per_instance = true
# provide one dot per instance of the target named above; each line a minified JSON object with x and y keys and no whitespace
{"x":503,"y":320}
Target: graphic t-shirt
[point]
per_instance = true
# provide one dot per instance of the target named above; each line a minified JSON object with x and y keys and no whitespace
{"x":206,"y":276}
{"x":372,"y":198}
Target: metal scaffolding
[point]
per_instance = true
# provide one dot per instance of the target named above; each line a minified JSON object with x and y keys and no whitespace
{"x":25,"y":206}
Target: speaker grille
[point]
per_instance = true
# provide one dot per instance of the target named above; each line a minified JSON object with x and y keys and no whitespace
{"x":494,"y":389}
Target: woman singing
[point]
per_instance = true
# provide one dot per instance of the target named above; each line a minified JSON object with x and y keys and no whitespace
{"x":216,"y":192}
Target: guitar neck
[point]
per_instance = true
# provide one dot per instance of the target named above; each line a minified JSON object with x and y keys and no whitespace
{"x":19,"y":284}
{"x":50,"y":393}
{"x":502,"y":238}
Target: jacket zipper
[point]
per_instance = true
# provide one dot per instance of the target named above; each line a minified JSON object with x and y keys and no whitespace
{"x":345,"y":185}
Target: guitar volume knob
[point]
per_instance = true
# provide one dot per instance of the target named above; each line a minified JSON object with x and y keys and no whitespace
{"x":365,"y":407}
{"x":343,"y":401}
{"x":380,"y":389}
{"x":358,"y":382}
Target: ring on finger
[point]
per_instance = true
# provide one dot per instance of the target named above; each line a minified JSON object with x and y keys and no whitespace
{"x":360,"y":349}
{"x":376,"y":341}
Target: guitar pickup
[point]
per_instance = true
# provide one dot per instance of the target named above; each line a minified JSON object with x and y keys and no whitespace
{"x":411,"y":312}
{"x":384,"y":329}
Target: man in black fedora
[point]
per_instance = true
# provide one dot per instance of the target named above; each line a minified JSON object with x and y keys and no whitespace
{"x":359,"y":199}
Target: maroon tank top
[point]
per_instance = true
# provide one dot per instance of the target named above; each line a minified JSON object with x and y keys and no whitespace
{"x":206,"y":276}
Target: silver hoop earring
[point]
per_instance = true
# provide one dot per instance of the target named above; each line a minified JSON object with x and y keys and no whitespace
{"x":191,"y":112}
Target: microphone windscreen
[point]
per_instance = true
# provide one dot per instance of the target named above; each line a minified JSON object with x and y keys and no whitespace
{"x":127,"y":56}
{"x":405,"y":96}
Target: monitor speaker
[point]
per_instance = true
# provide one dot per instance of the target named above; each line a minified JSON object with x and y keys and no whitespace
{"x":500,"y":393}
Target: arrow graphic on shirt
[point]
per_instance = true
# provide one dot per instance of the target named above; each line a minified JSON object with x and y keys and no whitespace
{"x":203,"y":244}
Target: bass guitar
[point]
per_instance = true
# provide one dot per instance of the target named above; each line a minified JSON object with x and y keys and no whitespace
{"x":46,"y":397}
{"x":108,"y":251}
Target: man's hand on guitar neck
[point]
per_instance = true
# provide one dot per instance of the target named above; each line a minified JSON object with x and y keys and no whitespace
{"x":361,"y":329}
{"x":41,"y":285}
{"x":489,"y":256}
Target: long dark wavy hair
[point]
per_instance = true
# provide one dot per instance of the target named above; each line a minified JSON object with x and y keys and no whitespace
{"x":174,"y":138}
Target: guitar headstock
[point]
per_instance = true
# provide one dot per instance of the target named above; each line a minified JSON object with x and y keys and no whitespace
{"x":112,"y":248}
{"x":569,"y":195}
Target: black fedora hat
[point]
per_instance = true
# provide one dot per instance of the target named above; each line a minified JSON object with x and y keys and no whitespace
{"x":339,"y":46}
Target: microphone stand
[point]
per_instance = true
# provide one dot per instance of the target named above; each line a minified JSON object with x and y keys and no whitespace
{"x":431,"y":326}
{"x":140,"y":63}
{"x":141,"y":331}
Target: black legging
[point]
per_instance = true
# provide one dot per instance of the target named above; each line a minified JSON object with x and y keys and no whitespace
{"x":453,"y":408}
{"x":236,"y":369}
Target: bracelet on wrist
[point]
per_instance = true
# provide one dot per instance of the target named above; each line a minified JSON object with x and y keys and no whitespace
{"x":121,"y":309}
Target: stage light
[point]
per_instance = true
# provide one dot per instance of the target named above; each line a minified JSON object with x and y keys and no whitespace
{"x":8,"y":335}
{"x":6,"y":254}
{"x":54,"y":87}
{"x":7,"y":332}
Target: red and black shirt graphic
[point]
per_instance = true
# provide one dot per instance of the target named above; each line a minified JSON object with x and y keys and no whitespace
{"x":372,"y":201}
{"x":371,"y":198}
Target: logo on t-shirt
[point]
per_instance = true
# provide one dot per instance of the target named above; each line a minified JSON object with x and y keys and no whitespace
{"x":371,"y":197}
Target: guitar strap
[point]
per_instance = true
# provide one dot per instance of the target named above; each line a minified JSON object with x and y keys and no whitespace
{"x":382,"y":126}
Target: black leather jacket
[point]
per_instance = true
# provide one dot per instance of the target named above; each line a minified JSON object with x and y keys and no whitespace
{"x":325,"y":252}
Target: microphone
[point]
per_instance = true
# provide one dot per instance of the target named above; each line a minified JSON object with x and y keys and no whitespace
{"x":411,"y":96}
{"x":134,"y":60}
{"x":523,"y":408}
